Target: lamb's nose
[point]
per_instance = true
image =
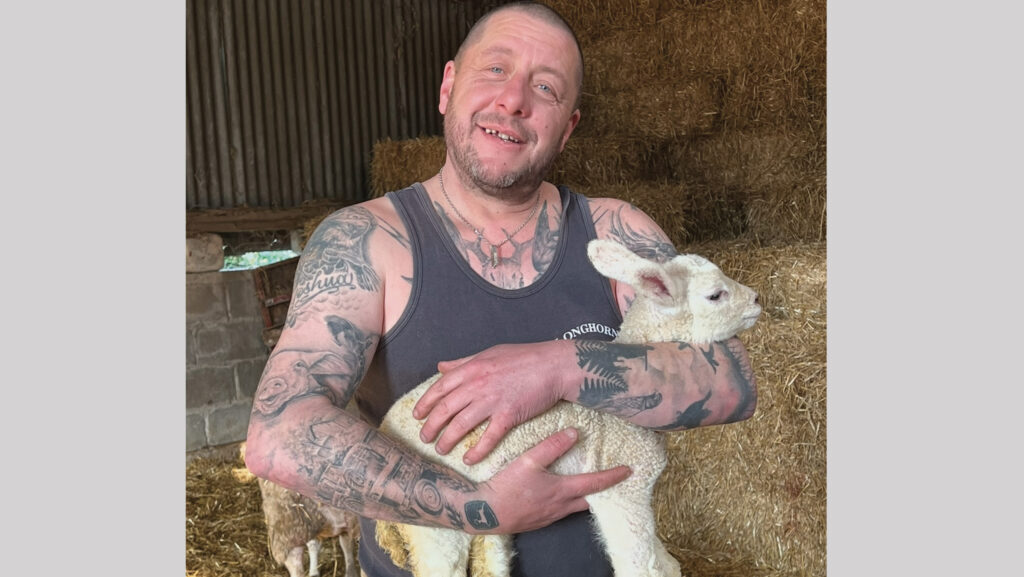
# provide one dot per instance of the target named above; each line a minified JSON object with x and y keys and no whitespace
{"x":757,"y":299}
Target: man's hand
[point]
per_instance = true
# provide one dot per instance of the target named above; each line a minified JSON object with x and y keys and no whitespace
{"x":533,"y":497}
{"x":506,"y":384}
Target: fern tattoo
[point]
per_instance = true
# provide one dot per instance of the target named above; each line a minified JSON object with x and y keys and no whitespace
{"x":602,"y":392}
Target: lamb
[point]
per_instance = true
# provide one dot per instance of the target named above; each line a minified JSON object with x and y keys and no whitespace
{"x":686,"y":299}
{"x":294,"y":521}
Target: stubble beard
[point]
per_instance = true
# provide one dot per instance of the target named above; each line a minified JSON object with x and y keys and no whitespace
{"x":468,"y":164}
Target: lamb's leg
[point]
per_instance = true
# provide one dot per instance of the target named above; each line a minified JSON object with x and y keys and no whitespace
{"x":491,"y":556}
{"x":314,"y":557}
{"x":293,"y":562}
{"x":436,"y":552}
{"x":347,"y":541}
{"x":627,"y":526}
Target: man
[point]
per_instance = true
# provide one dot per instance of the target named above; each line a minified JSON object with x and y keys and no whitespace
{"x":479,"y":272}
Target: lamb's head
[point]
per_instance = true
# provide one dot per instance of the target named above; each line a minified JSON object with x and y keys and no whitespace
{"x":687,"y":298}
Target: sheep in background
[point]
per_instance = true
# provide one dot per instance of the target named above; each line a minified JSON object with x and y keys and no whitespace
{"x":295,"y":521}
{"x":687,"y":299}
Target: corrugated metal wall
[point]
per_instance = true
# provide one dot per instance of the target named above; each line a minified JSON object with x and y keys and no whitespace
{"x":285,"y":98}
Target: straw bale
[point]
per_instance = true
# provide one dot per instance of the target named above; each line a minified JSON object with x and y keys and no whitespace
{"x":225,"y":531}
{"x":747,"y":160}
{"x":784,"y":82}
{"x":658,"y":109}
{"x":790,"y":214}
{"x":764,"y":63}
{"x":398,"y":163}
{"x":696,"y":41}
{"x":595,"y":19}
{"x":616,"y":159}
{"x":753,"y":494}
{"x":775,"y":179}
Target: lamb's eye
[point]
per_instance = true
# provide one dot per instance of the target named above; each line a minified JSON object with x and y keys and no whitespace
{"x":716,"y":296}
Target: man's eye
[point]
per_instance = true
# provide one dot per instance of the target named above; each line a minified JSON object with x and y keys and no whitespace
{"x":497,"y":69}
{"x":544,"y":88}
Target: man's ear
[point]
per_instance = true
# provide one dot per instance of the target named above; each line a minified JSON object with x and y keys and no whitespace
{"x":446,"y":86}
{"x":573,"y":121}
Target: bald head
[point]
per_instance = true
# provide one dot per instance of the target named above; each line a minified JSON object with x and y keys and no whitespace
{"x":535,"y":10}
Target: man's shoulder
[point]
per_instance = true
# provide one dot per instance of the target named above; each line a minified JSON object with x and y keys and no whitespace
{"x":605,"y":208}
{"x":607,"y":202}
{"x":602,"y":203}
{"x":367,"y":213}
{"x":365,"y":223}
{"x":624,"y":222}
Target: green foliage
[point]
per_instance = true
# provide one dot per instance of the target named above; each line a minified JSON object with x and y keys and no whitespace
{"x":251,"y":260}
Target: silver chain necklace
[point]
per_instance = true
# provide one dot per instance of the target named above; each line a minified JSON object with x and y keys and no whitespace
{"x":495,"y":259}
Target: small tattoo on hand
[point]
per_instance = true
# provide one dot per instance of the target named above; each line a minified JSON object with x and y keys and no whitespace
{"x":480,"y":515}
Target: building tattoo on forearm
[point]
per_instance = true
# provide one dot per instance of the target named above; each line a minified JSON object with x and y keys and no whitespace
{"x":372,"y":471}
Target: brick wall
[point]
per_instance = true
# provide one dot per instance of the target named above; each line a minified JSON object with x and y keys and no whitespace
{"x":224,"y":351}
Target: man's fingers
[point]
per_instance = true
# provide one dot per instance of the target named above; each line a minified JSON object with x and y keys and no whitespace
{"x":435,"y":392}
{"x":496,"y":430}
{"x":550,"y":449}
{"x":440,"y":388}
{"x":459,"y":427}
{"x":445,"y":366}
{"x":588,"y":483}
{"x":439,"y":417}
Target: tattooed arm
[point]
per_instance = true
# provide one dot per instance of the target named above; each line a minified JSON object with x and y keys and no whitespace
{"x":662,"y":386}
{"x":301,"y":437}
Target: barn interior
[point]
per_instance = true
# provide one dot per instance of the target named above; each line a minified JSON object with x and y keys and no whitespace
{"x":709,"y":115}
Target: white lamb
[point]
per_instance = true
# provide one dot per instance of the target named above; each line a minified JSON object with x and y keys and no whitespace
{"x":295,"y":521}
{"x":686,"y":299}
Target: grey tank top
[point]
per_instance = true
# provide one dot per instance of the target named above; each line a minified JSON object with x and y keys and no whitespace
{"x":452,"y":313}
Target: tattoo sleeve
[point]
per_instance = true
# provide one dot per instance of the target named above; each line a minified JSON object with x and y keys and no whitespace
{"x":316,"y":444}
{"x":614,"y":369}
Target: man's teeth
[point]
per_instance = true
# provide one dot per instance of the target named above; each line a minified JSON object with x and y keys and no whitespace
{"x":501,"y":135}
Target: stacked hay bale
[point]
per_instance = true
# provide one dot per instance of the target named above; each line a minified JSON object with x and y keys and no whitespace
{"x":710,"y":116}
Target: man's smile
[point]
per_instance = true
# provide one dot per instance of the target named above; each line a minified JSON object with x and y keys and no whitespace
{"x":502,"y":135}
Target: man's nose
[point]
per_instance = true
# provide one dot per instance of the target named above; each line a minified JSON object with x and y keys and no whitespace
{"x":514,"y":96}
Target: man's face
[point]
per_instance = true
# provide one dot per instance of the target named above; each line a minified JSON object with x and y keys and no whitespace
{"x":509,"y":106}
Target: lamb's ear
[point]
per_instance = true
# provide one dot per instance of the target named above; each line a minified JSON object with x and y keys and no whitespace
{"x":615,"y":261}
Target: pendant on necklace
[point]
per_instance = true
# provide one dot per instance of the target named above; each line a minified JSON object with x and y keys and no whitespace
{"x":494,"y":256}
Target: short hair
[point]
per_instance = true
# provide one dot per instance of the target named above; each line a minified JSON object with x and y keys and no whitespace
{"x":540,"y":11}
